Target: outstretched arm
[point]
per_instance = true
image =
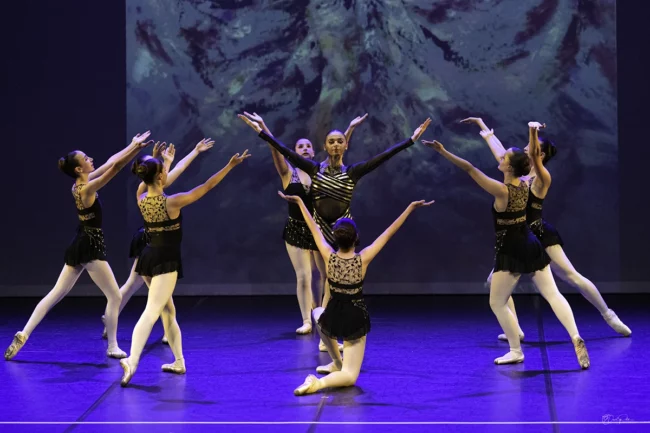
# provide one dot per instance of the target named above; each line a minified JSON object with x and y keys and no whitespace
{"x":109,"y":162}
{"x":543,"y":177}
{"x":308,"y":166}
{"x":324,"y":248}
{"x":494,"y":187}
{"x":138,"y":142}
{"x":357,"y":171}
{"x":182,"y":165}
{"x":180,"y":200}
{"x":488,"y":135}
{"x":353,"y":125}
{"x":278,"y":160}
{"x":369,"y":253}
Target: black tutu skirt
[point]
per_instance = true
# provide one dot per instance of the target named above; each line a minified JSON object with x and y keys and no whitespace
{"x":87,"y":245}
{"x":160,"y":260}
{"x":297,"y":234}
{"x":546,"y":233}
{"x":519,"y":251}
{"x":345,"y":317}
{"x":138,"y":242}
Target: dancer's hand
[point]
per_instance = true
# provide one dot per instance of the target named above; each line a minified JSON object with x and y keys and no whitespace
{"x":420,"y":130}
{"x":435,"y":145}
{"x":158,"y":149}
{"x":140,"y":140}
{"x":204,"y":145}
{"x":238,"y":159}
{"x":536,"y":125}
{"x":421,"y":203}
{"x":358,"y":120}
{"x":168,"y":154}
{"x":253,"y":124}
{"x":290,"y":198}
{"x":255,"y":117}
{"x":471,"y":120}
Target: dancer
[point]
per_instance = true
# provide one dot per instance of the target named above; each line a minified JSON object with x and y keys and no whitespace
{"x":87,"y":250}
{"x":160,"y":262}
{"x":346,"y":316}
{"x":139,"y":241}
{"x":518,"y":251}
{"x":541,"y":151}
{"x":332,"y":182}
{"x":299,"y":241}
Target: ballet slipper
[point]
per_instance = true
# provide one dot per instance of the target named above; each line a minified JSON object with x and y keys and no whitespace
{"x":309,"y":386}
{"x":18,"y":342}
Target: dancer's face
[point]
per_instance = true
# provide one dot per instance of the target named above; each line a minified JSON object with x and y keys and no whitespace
{"x":85,"y":163}
{"x":504,"y":163}
{"x":335,"y":144}
{"x":305,"y":148}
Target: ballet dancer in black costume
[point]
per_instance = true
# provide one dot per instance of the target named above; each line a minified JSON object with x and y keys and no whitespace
{"x":87,"y":251}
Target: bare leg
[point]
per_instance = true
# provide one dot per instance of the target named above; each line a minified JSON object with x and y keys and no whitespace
{"x":500,"y":290}
{"x":68,"y":277}
{"x":301,"y":261}
{"x":562,"y":267}
{"x":102,"y":275}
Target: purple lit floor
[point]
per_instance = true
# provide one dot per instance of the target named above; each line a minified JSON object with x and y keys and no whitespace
{"x":428,"y":359}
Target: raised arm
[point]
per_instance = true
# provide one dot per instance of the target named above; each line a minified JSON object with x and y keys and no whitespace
{"x":543,"y":177}
{"x":494,"y":187}
{"x":353,"y":125}
{"x":278,"y":160}
{"x":488,"y":135}
{"x":369,"y":253}
{"x":308,"y":166}
{"x":109,"y":162}
{"x":179,"y":201}
{"x":138,"y":142}
{"x":182,"y":165}
{"x":357,"y":171}
{"x":324,"y":248}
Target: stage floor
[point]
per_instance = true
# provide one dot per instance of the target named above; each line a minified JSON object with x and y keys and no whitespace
{"x":429,"y":359}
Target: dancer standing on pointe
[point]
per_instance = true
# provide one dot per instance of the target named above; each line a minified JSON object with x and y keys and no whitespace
{"x":160,"y":262}
{"x":346,"y":316}
{"x":540,"y":151}
{"x":518,"y":251}
{"x":299,"y":241}
{"x":139,"y":240}
{"x":87,"y":250}
{"x":332,"y":182}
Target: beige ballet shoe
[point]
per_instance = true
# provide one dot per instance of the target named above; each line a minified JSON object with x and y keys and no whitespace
{"x":617,"y":325}
{"x":581,"y":352}
{"x":323,"y":348}
{"x":329,"y":368}
{"x":309,"y":386}
{"x":115,"y":353}
{"x":177,"y":367}
{"x":304,"y":329}
{"x":128,"y":372}
{"x":18,"y":342}
{"x":512,"y":357}
{"x":502,"y":337}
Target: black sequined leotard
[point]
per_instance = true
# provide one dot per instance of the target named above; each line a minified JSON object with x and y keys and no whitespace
{"x":545,"y":232}
{"x":296,"y":232}
{"x":517,"y":249}
{"x":346,"y":315}
{"x":88,"y":244}
{"x":332,"y":187}
{"x":162,"y":253}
